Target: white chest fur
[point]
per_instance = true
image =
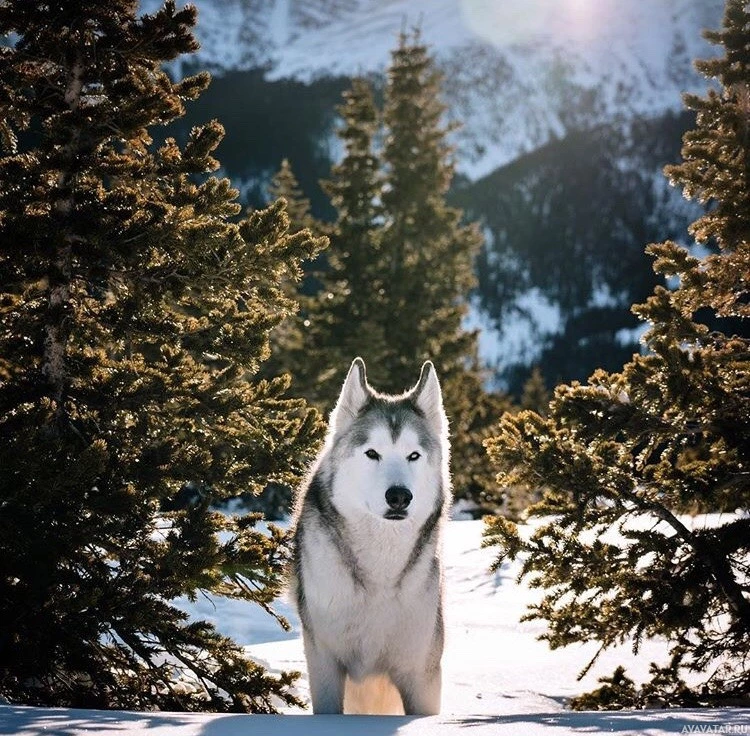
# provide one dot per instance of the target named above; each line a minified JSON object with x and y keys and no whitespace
{"x":363,"y":607}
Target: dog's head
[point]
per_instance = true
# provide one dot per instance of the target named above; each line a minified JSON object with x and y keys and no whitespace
{"x":390,"y":453}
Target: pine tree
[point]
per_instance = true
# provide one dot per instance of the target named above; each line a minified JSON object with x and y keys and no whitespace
{"x":400,"y":264}
{"x":134,"y":316}
{"x":345,"y":318}
{"x":354,"y":189}
{"x":628,"y":452}
{"x":284,"y":185}
{"x":289,"y":354}
{"x":535,"y":395}
{"x":429,"y":258}
{"x":429,"y":253}
{"x":336,"y":318}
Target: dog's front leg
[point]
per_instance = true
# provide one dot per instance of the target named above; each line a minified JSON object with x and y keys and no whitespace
{"x":326,"y":678}
{"x":420,"y":691}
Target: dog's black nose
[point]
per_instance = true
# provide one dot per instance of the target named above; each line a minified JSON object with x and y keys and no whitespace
{"x":398,"y":497}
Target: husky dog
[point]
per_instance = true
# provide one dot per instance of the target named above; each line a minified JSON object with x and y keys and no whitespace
{"x":367,"y":573}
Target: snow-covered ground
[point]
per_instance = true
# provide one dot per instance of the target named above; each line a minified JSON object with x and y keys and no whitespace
{"x":54,"y":722}
{"x":498,"y":678}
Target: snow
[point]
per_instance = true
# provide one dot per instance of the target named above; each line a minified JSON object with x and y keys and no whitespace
{"x":518,"y":73}
{"x":521,"y":72}
{"x":498,"y":678}
{"x":60,"y":722}
{"x":632,"y":336}
{"x":608,"y":32}
{"x":279,"y":23}
{"x":525,"y":329}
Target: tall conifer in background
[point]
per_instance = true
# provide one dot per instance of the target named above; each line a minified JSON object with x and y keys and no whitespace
{"x":428,"y":253}
{"x":631,"y":451}
{"x":353,"y":304}
{"x":400,"y":264}
{"x":134,"y":315}
{"x":428,"y":258}
{"x":344,"y":319}
{"x":337,"y":318}
{"x":284,"y":185}
{"x":288,"y":353}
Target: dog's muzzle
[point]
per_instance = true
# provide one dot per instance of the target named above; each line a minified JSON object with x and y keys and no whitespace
{"x":398,"y":499}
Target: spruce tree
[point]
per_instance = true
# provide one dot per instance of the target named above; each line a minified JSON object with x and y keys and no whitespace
{"x":284,"y":185}
{"x":134,"y":316}
{"x":428,"y":252}
{"x":340,"y":316}
{"x":400,"y":264}
{"x":288,"y":355}
{"x":354,"y":189}
{"x":621,"y":457}
{"x":428,"y":256}
{"x":345,"y":318}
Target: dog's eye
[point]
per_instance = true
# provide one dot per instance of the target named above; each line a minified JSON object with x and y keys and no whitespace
{"x":414,"y":456}
{"x":372,"y":454}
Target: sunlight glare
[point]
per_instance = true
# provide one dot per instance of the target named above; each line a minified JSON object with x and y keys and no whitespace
{"x":506,"y":22}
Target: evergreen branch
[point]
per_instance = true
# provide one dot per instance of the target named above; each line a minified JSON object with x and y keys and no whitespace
{"x":605,"y":645}
{"x":242,"y":582}
{"x":721,"y":571}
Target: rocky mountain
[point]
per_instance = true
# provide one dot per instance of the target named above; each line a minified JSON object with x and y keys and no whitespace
{"x":568,"y":110}
{"x":565,"y":230}
{"x":518,"y":73}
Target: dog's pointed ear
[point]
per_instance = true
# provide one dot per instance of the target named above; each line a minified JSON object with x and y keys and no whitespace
{"x":428,"y":397}
{"x":354,"y":395}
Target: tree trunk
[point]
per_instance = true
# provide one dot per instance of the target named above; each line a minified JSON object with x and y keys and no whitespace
{"x":58,"y":318}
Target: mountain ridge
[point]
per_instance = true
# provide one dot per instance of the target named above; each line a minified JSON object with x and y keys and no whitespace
{"x":568,"y":112}
{"x":518,"y":73}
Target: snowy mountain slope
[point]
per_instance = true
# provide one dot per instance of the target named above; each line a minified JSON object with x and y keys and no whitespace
{"x":499,"y":680}
{"x":565,"y":229}
{"x":525,"y":78}
{"x":518,"y":73}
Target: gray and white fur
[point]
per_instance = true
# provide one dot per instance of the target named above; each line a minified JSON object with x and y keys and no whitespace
{"x":366,"y":573}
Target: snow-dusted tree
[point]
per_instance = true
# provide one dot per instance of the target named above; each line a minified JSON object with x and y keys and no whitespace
{"x":621,"y":457}
{"x":134,"y":314}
